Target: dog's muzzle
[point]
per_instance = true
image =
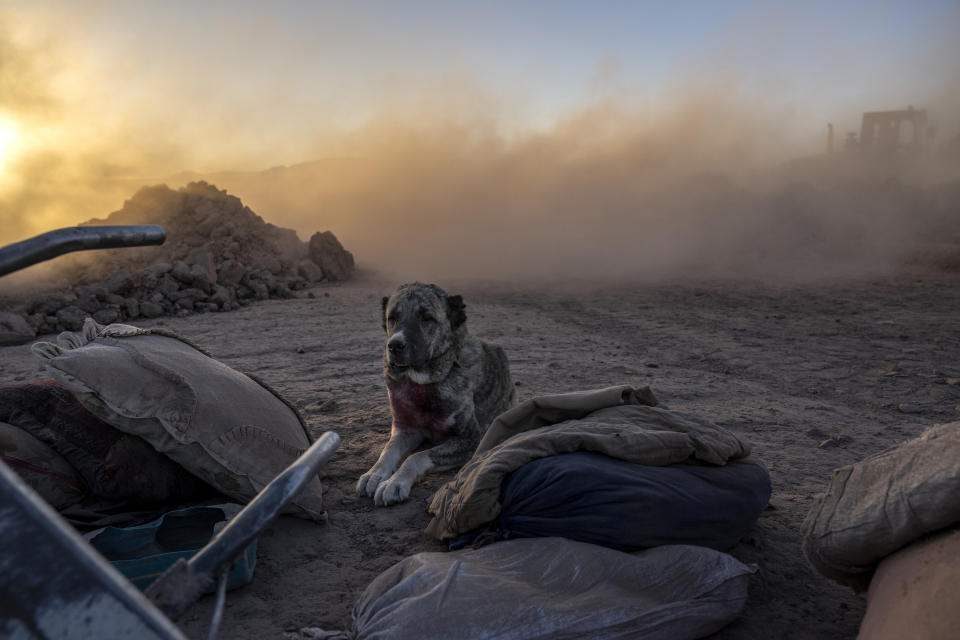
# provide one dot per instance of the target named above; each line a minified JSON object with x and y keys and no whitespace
{"x":397,"y":347}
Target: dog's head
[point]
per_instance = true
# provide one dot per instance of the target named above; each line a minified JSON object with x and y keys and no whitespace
{"x":422,"y":323}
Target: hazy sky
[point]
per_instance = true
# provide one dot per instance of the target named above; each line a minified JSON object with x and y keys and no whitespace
{"x":283,"y":71}
{"x":93,"y":91}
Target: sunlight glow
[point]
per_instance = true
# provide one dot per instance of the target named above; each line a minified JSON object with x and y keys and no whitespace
{"x":9,"y":142}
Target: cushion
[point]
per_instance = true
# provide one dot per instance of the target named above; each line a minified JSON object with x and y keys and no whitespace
{"x":226,"y":428}
{"x":598,"y":499}
{"x":46,"y":471}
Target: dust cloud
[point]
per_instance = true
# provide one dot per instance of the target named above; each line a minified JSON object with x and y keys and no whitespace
{"x":702,"y":179}
{"x":703,"y":189}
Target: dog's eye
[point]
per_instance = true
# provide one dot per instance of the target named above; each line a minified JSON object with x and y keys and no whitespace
{"x":392,"y":318}
{"x":427,"y":317}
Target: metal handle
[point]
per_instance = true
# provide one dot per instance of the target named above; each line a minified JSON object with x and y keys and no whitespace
{"x":49,"y":245}
{"x":183,"y":582}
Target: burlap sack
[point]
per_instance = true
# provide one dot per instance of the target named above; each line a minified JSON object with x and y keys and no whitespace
{"x":551,"y":588}
{"x":884,"y":502}
{"x":46,"y":471}
{"x":224,"y":427}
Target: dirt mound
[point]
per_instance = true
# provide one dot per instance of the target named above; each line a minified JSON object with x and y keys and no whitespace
{"x":218,"y":256}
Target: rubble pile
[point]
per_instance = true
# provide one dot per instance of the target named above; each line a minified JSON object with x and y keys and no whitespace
{"x":218,"y":256}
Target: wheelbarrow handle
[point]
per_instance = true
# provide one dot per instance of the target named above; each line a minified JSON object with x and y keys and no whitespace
{"x":185,"y":581}
{"x":20,"y":255}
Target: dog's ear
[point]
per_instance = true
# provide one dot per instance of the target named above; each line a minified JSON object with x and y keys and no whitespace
{"x":383,"y":312}
{"x":455,"y":311}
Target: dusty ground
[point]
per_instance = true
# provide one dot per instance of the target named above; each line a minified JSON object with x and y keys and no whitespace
{"x":785,"y":367}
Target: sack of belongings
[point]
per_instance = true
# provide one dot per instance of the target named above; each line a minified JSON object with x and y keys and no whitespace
{"x":876,"y":506}
{"x":620,"y":471}
{"x":227,"y":429}
{"x":550,"y":588}
{"x":598,"y":499}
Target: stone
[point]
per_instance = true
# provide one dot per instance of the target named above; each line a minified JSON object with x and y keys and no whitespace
{"x":95,"y":291}
{"x":49,"y":324}
{"x":221,"y":296}
{"x":107,"y":315}
{"x":839,"y":440}
{"x":168,"y":286}
{"x":309,"y":271}
{"x":182,"y":272}
{"x":296,"y":283}
{"x":132,"y":307}
{"x":204,"y":269}
{"x":327,"y":406}
{"x":200,"y":278}
{"x":14,"y":329}
{"x":193,"y":294}
{"x":909,"y":408}
{"x":158,"y":269}
{"x":46,"y":304}
{"x":71,"y":318}
{"x":87,"y":302}
{"x":281,"y":290}
{"x":268,"y":263}
{"x":150,"y":309}
{"x":260,"y":290}
{"x":120,"y":282}
{"x":231,"y":273}
{"x":327,"y":252}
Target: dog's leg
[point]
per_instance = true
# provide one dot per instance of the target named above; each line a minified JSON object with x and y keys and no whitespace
{"x":449,"y":454}
{"x":402,"y":442}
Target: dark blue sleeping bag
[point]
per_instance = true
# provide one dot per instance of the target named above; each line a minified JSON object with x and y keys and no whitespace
{"x":593,"y":498}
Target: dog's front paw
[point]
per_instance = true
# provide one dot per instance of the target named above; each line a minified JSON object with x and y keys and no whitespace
{"x":369,"y":482}
{"x":393,"y":491}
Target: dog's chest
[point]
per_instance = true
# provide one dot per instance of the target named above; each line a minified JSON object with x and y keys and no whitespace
{"x":418,"y":406}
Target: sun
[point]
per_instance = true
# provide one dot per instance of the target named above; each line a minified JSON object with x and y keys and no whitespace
{"x":9,"y":143}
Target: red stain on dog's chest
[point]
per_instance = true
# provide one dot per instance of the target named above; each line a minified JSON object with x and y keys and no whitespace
{"x":415,"y":406}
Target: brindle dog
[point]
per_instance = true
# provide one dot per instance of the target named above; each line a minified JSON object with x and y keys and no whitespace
{"x":445,"y":387}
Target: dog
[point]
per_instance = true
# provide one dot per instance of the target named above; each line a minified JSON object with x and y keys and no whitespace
{"x":445,"y":388}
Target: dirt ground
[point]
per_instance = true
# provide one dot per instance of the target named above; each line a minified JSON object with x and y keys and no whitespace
{"x":868,"y":363}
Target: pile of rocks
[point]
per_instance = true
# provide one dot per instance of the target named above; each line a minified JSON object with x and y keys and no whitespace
{"x":219,"y":255}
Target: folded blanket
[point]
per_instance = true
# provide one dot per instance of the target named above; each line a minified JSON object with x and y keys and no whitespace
{"x":617,"y":421}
